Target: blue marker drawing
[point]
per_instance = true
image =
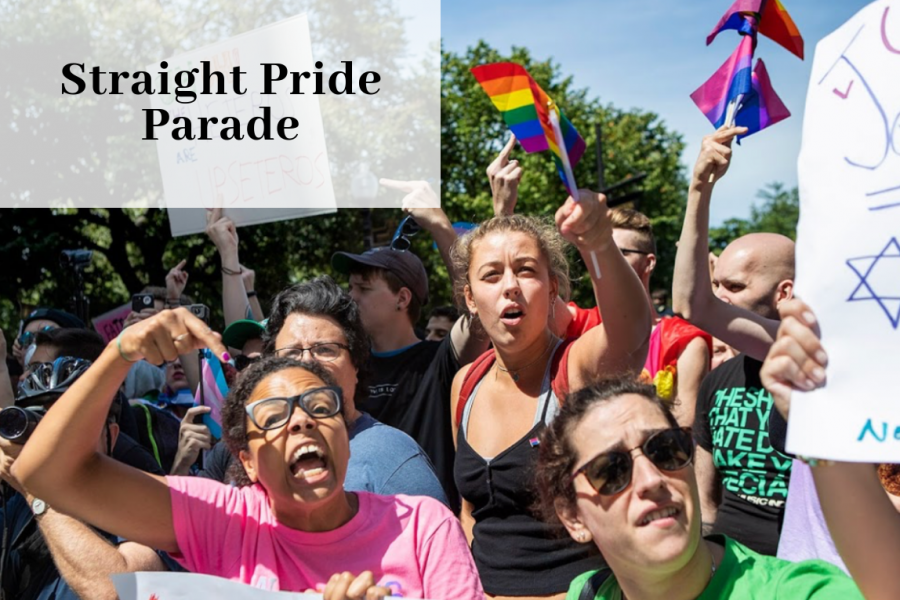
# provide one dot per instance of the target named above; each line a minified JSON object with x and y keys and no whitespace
{"x":888,"y":260}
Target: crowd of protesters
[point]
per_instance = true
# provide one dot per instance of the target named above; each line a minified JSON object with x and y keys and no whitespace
{"x":514,"y":445}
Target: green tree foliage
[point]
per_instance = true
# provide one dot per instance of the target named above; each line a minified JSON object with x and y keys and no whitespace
{"x":634,"y":141}
{"x":778,"y":213}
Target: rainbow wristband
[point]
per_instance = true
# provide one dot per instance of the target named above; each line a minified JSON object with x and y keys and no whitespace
{"x":121,"y":353}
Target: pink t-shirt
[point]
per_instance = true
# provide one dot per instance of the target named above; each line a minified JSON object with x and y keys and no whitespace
{"x":412,"y":544}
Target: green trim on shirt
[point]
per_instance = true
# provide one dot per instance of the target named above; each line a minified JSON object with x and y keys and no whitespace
{"x":745,"y":574}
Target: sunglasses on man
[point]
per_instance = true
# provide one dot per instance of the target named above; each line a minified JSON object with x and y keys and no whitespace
{"x":610,"y":472}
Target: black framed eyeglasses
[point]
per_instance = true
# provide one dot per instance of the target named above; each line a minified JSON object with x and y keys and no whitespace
{"x":326,"y":352}
{"x":610,"y":472}
{"x":273,"y":413}
{"x":627,"y":251}
{"x":405,"y":230}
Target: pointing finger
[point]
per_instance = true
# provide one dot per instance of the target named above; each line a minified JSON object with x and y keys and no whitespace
{"x":504,"y":154}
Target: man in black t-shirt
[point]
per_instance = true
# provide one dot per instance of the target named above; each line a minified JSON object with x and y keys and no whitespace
{"x":411,"y":378}
{"x":735,"y":463}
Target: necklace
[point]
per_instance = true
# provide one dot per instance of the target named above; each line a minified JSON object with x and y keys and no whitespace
{"x":514,"y":373}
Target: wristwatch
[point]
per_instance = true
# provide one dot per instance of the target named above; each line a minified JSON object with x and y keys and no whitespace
{"x":38,"y":507}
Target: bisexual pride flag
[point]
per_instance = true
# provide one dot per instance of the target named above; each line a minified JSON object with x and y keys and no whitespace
{"x":525,"y":108}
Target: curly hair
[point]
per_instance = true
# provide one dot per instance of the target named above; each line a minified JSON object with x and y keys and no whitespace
{"x":234,"y":417}
{"x":542,"y":231}
{"x":322,"y":297}
{"x":557,"y":457}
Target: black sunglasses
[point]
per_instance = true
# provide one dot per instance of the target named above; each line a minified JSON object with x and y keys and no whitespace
{"x":610,"y":472}
{"x":627,"y":251}
{"x":405,"y":230}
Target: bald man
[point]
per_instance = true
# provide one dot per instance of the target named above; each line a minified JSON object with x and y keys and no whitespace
{"x":743,"y":480}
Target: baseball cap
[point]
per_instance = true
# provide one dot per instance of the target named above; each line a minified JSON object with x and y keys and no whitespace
{"x":240,"y":332}
{"x":60,"y":317}
{"x":406,"y":266}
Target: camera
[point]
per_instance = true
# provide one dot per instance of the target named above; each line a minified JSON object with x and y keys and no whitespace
{"x":17,"y":423}
{"x":201,"y":311}
{"x":75,"y":259}
{"x":141,"y":301}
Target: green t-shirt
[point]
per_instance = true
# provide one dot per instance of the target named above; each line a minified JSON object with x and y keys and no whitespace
{"x":746,"y":574}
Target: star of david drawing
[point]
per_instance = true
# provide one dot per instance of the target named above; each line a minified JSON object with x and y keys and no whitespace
{"x":879,"y":280}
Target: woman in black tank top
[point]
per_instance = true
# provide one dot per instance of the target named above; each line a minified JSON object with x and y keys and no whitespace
{"x":511,"y":272}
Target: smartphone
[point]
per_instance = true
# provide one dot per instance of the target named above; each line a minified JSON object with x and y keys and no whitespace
{"x":141,"y":301}
{"x":201,"y":311}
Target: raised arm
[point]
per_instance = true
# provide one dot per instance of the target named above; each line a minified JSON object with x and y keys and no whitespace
{"x":619,"y":344}
{"x":7,"y":395}
{"x":61,"y":463}
{"x":862,"y":520}
{"x":222,"y":231}
{"x":692,"y":295}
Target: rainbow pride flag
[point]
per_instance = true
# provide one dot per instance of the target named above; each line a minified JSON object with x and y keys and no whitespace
{"x":774,"y":22}
{"x":524,"y":106}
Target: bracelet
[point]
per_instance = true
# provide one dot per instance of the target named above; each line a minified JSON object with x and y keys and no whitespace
{"x":228,"y":271}
{"x":119,"y":346}
{"x":815,"y":462}
{"x":251,"y":294}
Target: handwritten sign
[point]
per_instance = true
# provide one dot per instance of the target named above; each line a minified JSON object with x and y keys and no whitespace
{"x":110,"y":324}
{"x":246,"y":173}
{"x":185,"y":221}
{"x":191,"y":586}
{"x":848,"y":250}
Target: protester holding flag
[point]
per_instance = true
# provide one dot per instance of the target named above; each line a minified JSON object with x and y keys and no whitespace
{"x":293,"y":528}
{"x":510,"y":271}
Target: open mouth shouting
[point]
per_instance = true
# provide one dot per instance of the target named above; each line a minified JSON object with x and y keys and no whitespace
{"x":512,"y":315}
{"x":308,"y":463}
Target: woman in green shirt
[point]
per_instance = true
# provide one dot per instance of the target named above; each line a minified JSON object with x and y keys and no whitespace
{"x":615,"y":468}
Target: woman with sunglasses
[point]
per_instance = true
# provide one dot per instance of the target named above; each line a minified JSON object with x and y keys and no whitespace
{"x":615,"y":469}
{"x":293,"y":528}
{"x":510,"y":270}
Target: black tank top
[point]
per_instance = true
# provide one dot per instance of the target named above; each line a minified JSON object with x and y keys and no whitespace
{"x":516,"y":553}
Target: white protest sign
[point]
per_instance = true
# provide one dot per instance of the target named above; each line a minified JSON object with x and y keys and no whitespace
{"x":185,"y":221}
{"x":191,"y":586}
{"x":245,"y":173}
{"x":848,"y":255}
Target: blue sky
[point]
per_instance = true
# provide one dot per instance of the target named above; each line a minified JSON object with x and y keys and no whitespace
{"x":651,"y":55}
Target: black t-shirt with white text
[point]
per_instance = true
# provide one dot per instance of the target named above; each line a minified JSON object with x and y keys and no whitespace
{"x":410,"y":390}
{"x":732,"y":424}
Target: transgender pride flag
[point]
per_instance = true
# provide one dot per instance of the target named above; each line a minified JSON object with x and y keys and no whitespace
{"x":214,"y":389}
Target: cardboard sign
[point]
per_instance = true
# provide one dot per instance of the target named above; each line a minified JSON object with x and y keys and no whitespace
{"x":848,"y":246}
{"x":246,"y":173}
{"x":185,"y":221}
{"x":191,"y":586}
{"x":110,"y":324}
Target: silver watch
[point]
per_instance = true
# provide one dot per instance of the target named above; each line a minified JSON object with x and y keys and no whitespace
{"x":38,"y":507}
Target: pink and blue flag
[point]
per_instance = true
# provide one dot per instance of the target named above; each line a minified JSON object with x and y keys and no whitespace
{"x":211,"y":392}
{"x":762,"y":107}
{"x":733,"y":79}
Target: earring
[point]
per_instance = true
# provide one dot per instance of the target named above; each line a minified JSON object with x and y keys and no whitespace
{"x":399,"y":307}
{"x":552,"y":309}
{"x":584,"y":536}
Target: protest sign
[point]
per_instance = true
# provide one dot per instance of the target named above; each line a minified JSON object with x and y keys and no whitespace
{"x":848,"y":250}
{"x":245,"y":173}
{"x":110,"y":324}
{"x":185,"y":221}
{"x":191,"y":586}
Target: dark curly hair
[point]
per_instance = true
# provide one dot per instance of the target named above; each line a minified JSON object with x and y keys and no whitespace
{"x":322,"y":297}
{"x":557,"y":457}
{"x":234,"y":417}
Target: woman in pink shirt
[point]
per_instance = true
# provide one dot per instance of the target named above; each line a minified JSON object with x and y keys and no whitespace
{"x":293,"y":528}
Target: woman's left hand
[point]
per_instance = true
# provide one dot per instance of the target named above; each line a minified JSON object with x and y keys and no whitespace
{"x":586,"y":222}
{"x":344,"y":586}
{"x":167,"y":335}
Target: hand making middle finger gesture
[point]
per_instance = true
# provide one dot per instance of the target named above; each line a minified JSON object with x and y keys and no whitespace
{"x":715,"y":155}
{"x":504,"y":175}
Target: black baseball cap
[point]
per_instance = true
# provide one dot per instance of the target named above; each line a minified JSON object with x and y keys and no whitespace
{"x":60,"y":317}
{"x":405,"y":265}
